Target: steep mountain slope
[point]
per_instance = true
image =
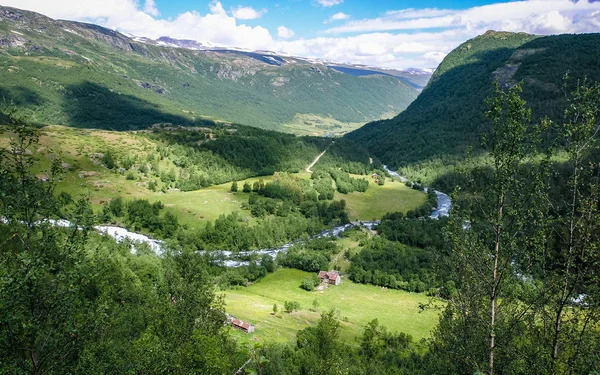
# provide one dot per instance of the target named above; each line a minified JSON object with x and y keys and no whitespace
{"x":84,"y":75}
{"x":448,"y":115}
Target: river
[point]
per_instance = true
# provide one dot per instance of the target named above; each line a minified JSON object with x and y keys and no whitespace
{"x":225,"y":256}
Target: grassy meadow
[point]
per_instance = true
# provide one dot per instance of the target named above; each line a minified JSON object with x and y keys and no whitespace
{"x":379,"y":200}
{"x":357,"y":304}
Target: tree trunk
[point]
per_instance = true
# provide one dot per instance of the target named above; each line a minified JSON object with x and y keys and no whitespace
{"x":493,"y":294}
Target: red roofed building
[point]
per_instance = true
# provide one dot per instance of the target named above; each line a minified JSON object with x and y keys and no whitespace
{"x":331,"y":277}
{"x":246,"y":327}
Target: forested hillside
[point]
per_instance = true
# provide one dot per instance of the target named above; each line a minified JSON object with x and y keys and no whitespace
{"x":86,"y":76}
{"x":448,"y":116}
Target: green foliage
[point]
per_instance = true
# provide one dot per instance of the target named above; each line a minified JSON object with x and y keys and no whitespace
{"x":346,"y":184}
{"x":312,"y":256}
{"x":116,"y":206}
{"x":395,"y":266}
{"x":309,"y":284}
{"x":291,"y":306}
{"x":234,"y":187}
{"x":109,"y":160}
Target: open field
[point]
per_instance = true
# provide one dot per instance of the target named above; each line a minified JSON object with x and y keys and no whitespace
{"x":379,"y":200}
{"x":357,"y":305}
{"x":311,"y":124}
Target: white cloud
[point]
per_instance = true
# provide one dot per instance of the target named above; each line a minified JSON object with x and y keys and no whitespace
{"x":397,"y":39}
{"x":247,"y":13}
{"x":329,"y":3}
{"x":150,"y":8}
{"x":338,"y":17}
{"x":284,"y":32}
{"x":534,"y":16}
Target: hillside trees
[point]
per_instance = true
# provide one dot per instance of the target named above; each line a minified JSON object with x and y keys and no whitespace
{"x":41,"y":296}
{"x":525,"y":250}
{"x":575,"y":229}
{"x":494,"y":253}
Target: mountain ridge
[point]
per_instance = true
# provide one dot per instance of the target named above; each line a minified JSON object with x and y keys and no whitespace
{"x":177,"y":85}
{"x":439,"y":128}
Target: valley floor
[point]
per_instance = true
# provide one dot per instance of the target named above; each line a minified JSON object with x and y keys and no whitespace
{"x":357,"y":305}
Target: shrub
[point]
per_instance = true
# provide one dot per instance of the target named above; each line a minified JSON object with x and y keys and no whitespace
{"x":308,"y":284}
{"x":291,"y":306}
{"x":108,"y":160}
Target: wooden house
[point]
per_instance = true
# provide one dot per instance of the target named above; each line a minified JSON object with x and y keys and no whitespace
{"x":331,"y":277}
{"x":242,"y":326}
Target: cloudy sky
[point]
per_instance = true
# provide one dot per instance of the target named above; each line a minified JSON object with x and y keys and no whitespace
{"x":384,"y":33}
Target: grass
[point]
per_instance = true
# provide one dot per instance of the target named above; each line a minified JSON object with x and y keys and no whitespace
{"x":357,"y":305}
{"x":313,"y":124}
{"x":378,"y":200}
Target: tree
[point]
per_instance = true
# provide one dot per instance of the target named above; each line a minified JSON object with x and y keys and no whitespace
{"x":234,"y":187}
{"x":575,"y":229}
{"x":42,"y":301}
{"x":308,"y":284}
{"x":247,"y":187}
{"x":116,"y":206}
{"x":274,"y":309}
{"x":503,"y":242}
{"x":320,"y":350}
{"x":109,"y":160}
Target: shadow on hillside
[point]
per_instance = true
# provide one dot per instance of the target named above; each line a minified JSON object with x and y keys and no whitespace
{"x":90,"y":105}
{"x":15,"y":97}
{"x":19,"y":96}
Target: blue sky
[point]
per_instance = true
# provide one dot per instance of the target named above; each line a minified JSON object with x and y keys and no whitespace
{"x":391,"y":34}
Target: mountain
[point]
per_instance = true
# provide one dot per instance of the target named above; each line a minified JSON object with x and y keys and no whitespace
{"x":83,"y":75}
{"x":448,"y":115}
{"x":415,"y":77}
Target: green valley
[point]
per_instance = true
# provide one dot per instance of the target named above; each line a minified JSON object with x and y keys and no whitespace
{"x":171,"y":206}
{"x":85,"y":76}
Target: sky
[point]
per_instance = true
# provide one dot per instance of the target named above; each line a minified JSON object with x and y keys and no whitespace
{"x":382,"y":33}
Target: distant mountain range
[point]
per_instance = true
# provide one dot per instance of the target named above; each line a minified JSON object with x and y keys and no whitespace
{"x":415,"y":77}
{"x":84,"y":75}
{"x":448,"y":115}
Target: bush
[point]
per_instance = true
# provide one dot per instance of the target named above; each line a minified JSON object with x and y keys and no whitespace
{"x":108,"y":160}
{"x":130,"y":176}
{"x":291,"y":306}
{"x":308,"y":284}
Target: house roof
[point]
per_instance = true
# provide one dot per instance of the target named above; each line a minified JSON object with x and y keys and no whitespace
{"x":239,"y":323}
{"x":331,"y":275}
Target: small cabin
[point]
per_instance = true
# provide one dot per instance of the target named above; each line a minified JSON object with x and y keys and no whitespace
{"x":242,"y":326}
{"x":330,"y":278}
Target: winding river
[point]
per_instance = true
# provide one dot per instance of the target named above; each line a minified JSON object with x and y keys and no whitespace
{"x":228,"y":258}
